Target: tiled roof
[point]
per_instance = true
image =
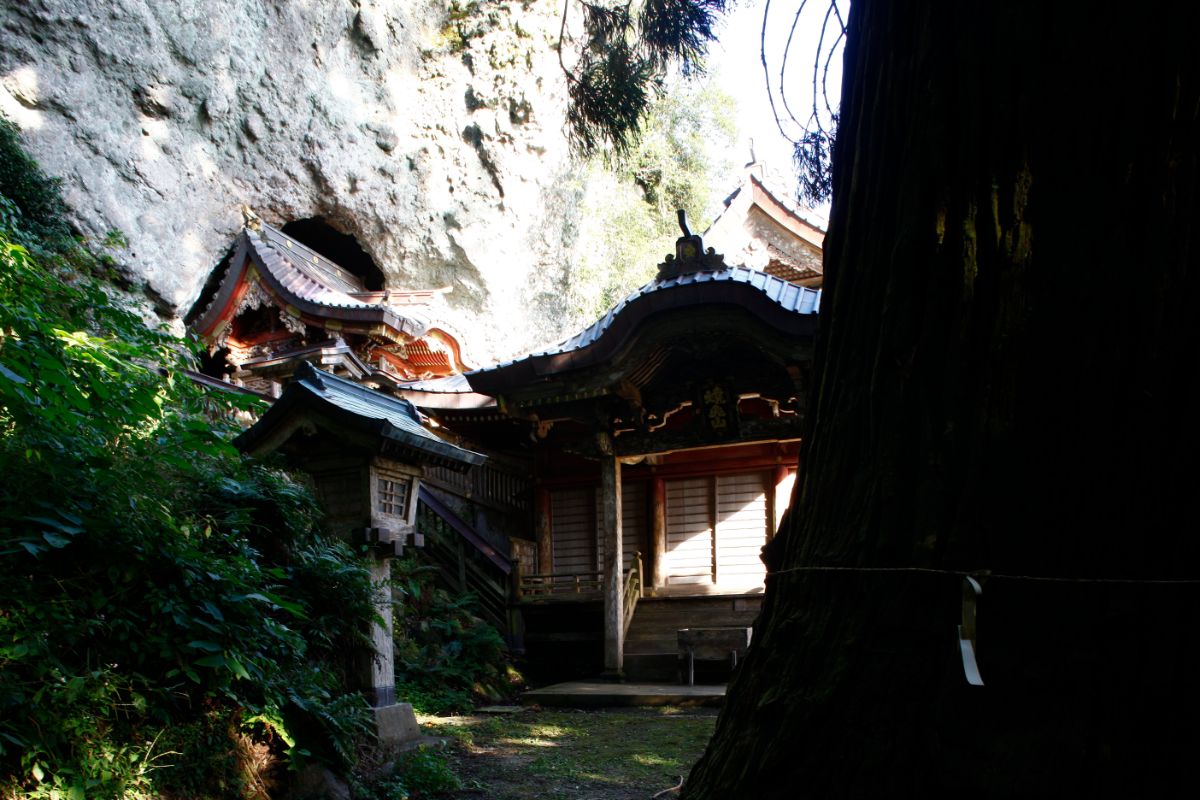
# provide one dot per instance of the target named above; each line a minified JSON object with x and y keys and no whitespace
{"x":449,"y":393}
{"x":309,"y":282}
{"x":784,"y":199}
{"x":390,"y":417}
{"x":451,"y":384}
{"x":307,"y":278}
{"x":308,"y":261}
{"x":787,"y":297}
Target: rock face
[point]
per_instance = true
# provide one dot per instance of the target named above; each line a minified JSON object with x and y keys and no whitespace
{"x":430,"y":131}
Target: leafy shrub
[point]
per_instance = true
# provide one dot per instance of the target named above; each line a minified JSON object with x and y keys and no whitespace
{"x":167,"y":610}
{"x":417,"y":775}
{"x":446,"y":657}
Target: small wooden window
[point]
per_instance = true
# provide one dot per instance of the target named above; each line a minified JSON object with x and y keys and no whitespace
{"x":393,"y":496}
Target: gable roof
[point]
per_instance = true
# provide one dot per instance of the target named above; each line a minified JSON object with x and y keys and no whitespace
{"x":764,"y":229}
{"x":789,"y":308}
{"x":308,"y":286}
{"x":346,"y":405}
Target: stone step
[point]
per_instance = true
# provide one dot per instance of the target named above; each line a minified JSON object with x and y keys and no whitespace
{"x":593,"y":694}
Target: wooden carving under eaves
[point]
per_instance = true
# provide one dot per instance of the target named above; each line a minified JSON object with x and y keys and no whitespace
{"x":717,"y":409}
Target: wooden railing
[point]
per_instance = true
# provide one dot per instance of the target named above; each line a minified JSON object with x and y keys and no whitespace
{"x":567,"y":586}
{"x":581,"y":586}
{"x":633,"y":592}
{"x":498,"y":483}
{"x":466,"y":563}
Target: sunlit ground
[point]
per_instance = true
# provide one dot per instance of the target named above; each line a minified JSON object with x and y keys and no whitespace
{"x":574,"y":755}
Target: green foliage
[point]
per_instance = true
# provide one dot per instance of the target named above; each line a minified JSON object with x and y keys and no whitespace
{"x":159,"y":594}
{"x":623,"y":59}
{"x":630,"y":204}
{"x":417,"y":775}
{"x":446,"y":657}
{"x":34,"y":197}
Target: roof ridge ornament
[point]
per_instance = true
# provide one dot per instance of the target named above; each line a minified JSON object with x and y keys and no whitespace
{"x":690,"y":255}
{"x":250,"y":220}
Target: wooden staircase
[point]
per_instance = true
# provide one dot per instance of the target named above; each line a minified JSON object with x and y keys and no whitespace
{"x":651,"y":645}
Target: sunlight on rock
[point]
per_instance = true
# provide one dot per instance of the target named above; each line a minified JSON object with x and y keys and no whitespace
{"x":349,"y":94}
{"x":200,"y":155}
{"x":19,"y":98}
{"x":154,"y":133}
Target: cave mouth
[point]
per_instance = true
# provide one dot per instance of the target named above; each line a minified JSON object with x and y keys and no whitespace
{"x":340,"y":248}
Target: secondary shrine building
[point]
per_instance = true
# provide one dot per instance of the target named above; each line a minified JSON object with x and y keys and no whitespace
{"x":633,"y":472}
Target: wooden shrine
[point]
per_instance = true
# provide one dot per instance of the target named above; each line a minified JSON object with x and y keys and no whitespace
{"x":280,"y":303}
{"x":665,"y":436}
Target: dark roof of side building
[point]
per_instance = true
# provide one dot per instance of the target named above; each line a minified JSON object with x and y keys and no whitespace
{"x":347,"y":404}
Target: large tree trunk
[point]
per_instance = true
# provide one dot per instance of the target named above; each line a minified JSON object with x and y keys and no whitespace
{"x":1007,"y":381}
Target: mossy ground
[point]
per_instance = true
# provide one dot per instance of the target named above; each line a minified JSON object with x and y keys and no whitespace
{"x":610,"y":754}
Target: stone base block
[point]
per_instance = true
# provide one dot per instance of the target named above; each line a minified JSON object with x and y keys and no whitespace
{"x":396,"y":724}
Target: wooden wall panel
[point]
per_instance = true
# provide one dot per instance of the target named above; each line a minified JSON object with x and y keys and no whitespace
{"x":743,"y":525}
{"x":573,"y":530}
{"x":689,"y":553}
{"x":635,"y":521}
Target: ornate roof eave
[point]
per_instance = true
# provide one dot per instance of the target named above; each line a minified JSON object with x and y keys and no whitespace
{"x":785,"y":214}
{"x":273,"y":272}
{"x":366,"y":318}
{"x":785,"y":307}
{"x":341,"y":406}
{"x":329,"y":353}
{"x":755,"y":192}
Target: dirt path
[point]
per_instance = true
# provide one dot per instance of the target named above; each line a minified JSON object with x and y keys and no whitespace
{"x":617,"y":754}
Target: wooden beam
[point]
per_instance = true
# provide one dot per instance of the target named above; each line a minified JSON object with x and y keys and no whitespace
{"x":637,"y":444}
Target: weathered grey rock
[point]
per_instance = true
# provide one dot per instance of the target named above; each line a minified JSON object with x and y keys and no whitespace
{"x":437,"y":143}
{"x":396,"y":724}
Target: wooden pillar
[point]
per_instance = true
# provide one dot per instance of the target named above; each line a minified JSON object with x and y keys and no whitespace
{"x":658,"y":534}
{"x":614,"y":579}
{"x":782,"y":495}
{"x":380,"y":674}
{"x":545,"y":553}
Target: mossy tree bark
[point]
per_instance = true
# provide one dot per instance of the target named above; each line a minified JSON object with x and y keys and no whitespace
{"x":1007,"y":381}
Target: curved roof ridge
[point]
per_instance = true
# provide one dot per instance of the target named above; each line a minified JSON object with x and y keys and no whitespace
{"x":804,"y":302}
{"x":297,"y":280}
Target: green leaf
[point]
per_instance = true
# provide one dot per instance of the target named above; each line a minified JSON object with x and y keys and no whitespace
{"x":36,"y":771}
{"x":262,"y":598}
{"x":295,"y":609}
{"x":202,"y":644}
{"x":217,"y":660}
{"x":11,"y":376}
{"x":237,"y":667}
{"x":56,"y":541}
{"x":59,"y":524}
